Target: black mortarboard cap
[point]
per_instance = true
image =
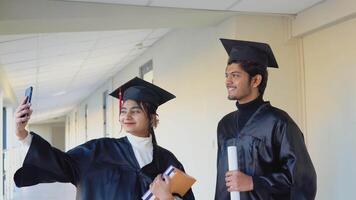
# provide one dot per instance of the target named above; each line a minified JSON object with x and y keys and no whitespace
{"x":140,"y":90}
{"x":239,"y":50}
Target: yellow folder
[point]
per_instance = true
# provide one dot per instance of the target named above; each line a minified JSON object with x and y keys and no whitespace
{"x":181,"y":182}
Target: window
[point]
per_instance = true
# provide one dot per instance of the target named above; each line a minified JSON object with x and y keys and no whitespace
{"x":86,"y":121}
{"x":146,"y":71}
{"x":105,"y":113}
{"x":76,"y":127}
{"x":68,"y":136}
{"x":4,"y":123}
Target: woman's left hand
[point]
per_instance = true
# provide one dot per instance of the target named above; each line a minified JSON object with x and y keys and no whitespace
{"x":161,"y":188}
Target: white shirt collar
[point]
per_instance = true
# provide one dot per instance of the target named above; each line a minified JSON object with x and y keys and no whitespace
{"x":140,"y":142}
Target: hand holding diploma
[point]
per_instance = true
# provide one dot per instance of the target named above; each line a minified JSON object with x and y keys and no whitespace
{"x":236,"y":181}
{"x":233,"y":166}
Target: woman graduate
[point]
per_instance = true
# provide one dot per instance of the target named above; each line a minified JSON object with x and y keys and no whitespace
{"x":106,"y":168}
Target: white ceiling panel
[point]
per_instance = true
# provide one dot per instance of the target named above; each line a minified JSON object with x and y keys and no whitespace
{"x":21,"y":77}
{"x":259,"y":6}
{"x":131,"y":38}
{"x":59,"y":39}
{"x":103,"y":60}
{"x":114,"y":51}
{"x":47,"y":92}
{"x":159,"y":33}
{"x":22,"y":73}
{"x":274,"y":6}
{"x":125,"y":2}
{"x":98,"y":66}
{"x":147,"y":43}
{"x":91,"y":73}
{"x":95,"y":68}
{"x":65,"y":68}
{"x":19,"y":83}
{"x":25,"y":43}
{"x":7,"y":38}
{"x":63,"y":59}
{"x":21,"y":65}
{"x":47,"y":78}
{"x":67,"y":49}
{"x":14,"y":58}
{"x":195,"y":4}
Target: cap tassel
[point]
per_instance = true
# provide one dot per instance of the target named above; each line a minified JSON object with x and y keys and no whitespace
{"x":120,"y":102}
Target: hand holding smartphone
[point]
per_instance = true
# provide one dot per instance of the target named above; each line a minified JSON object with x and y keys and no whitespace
{"x":23,"y":113}
{"x":28,"y":96}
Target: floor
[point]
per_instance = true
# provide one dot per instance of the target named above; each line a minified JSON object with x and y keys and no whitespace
{"x":51,"y":191}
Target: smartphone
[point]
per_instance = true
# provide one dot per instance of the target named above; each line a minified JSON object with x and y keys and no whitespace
{"x":28,"y":94}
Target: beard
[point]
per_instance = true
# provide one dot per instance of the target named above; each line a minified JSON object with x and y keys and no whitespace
{"x":229,"y":97}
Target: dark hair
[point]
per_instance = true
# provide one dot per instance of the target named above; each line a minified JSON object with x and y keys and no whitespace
{"x":152,"y":116}
{"x":252,"y":69}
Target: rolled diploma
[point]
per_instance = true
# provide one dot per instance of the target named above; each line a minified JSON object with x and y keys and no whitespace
{"x":233,"y":165}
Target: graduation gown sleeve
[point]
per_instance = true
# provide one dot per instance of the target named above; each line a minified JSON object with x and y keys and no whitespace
{"x":46,"y":164}
{"x":296,"y":174}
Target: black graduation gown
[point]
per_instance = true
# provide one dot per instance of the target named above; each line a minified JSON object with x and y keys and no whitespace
{"x":271,"y":149}
{"x":101,"y":169}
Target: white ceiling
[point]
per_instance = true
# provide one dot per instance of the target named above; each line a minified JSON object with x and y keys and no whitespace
{"x":65,"y":68}
{"x":260,"y":6}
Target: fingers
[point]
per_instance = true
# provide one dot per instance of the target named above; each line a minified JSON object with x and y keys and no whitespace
{"x":231,"y":180}
{"x":167,"y":180}
{"x":231,"y":173}
{"x":22,"y":120}
{"x":21,"y":114}
{"x":24,"y":100}
{"x":158,"y":178}
{"x":23,"y":107}
{"x":232,"y":189}
{"x":29,"y":114}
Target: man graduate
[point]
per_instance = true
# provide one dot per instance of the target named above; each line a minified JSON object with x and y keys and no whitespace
{"x":273,"y":160}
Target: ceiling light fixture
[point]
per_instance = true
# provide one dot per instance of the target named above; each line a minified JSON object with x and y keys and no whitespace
{"x":59,"y":93}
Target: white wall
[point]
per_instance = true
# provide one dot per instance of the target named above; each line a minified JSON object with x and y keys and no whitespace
{"x":58,"y":136}
{"x":45,"y":131}
{"x":54,"y":133}
{"x":76,"y":132}
{"x":330,"y":68}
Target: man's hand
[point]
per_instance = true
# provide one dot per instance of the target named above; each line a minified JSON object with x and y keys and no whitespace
{"x":238,"y":181}
{"x":161,"y":188}
{"x":22,"y":115}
